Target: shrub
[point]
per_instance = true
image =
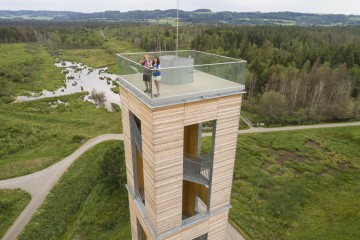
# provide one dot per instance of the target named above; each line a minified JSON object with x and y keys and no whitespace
{"x":112,"y":168}
{"x":78,"y":139}
{"x":98,"y":97}
{"x":115,"y":90}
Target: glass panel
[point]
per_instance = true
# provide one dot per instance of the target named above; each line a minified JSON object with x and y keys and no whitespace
{"x":181,"y":74}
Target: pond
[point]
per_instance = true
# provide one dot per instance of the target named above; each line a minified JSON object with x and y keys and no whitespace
{"x":81,"y":78}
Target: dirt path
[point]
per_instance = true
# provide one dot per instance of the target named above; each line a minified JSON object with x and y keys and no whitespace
{"x":292,"y":128}
{"x":40,"y":183}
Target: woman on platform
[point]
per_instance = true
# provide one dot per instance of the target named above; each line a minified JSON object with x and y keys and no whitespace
{"x":156,"y":75}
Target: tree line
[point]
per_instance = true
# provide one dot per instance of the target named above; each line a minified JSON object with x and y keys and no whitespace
{"x":54,"y":38}
{"x":295,"y":74}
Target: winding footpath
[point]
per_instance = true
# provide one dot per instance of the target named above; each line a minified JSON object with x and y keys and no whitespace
{"x":40,"y":183}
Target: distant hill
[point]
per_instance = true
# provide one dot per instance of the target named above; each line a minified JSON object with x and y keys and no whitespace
{"x":197,"y":16}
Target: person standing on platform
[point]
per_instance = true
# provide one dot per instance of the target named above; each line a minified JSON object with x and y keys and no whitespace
{"x":156,"y":75}
{"x":147,"y":72}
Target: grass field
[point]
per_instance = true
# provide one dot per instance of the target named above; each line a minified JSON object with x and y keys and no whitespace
{"x":81,"y":206}
{"x":35,"y":134}
{"x":293,"y":185}
{"x":12,"y":202}
{"x":98,"y":57}
{"x":298,"y":185}
{"x":170,"y":21}
{"x":27,"y":67}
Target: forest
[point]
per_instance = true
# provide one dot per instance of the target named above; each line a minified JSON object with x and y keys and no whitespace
{"x":296,"y":75}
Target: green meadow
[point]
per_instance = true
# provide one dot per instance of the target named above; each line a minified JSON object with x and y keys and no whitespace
{"x":12,"y":203}
{"x":98,"y":57}
{"x":37,"y":134}
{"x":27,"y":67}
{"x":298,"y":185}
{"x":86,"y":203}
{"x":293,"y":185}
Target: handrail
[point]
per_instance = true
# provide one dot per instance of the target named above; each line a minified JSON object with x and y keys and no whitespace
{"x":197,"y":168}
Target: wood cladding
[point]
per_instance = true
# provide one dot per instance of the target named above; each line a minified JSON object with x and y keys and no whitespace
{"x":191,"y":139}
{"x":190,"y":190}
{"x":167,"y":133}
{"x":134,"y":217}
{"x":217,"y":226}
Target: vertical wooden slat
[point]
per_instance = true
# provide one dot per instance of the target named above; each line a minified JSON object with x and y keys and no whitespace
{"x":168,"y":159}
{"x":191,"y":139}
{"x":228,"y":114}
{"x":217,"y":226}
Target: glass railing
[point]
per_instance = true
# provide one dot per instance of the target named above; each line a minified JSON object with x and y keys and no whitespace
{"x":183,"y":74}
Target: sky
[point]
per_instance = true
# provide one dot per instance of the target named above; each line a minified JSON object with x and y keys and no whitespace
{"x":304,"y":6}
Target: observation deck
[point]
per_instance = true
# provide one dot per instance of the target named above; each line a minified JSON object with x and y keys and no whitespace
{"x":186,"y":76}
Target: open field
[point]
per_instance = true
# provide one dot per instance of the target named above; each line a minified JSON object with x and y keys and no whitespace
{"x":98,"y":57}
{"x":171,"y":21}
{"x":298,"y":185}
{"x":84,"y":205}
{"x":287,"y":185}
{"x":36,"y":134}
{"x":12,"y":203}
{"x":27,"y":67}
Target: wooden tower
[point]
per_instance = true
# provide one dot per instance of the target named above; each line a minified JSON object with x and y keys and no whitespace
{"x":179,"y":183}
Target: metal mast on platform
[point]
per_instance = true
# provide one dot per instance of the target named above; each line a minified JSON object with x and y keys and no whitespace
{"x":177,"y":28}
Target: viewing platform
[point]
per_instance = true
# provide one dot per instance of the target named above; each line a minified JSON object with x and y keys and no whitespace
{"x":186,"y":76}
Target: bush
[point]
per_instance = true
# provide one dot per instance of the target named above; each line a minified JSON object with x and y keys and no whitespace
{"x":78,"y":139}
{"x":112,"y":168}
{"x":115,"y":90}
{"x":98,"y":97}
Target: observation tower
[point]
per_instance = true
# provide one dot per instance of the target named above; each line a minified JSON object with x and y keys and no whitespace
{"x":179,"y":182}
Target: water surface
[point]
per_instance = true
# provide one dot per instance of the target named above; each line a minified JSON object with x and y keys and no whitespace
{"x":81,"y":78}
